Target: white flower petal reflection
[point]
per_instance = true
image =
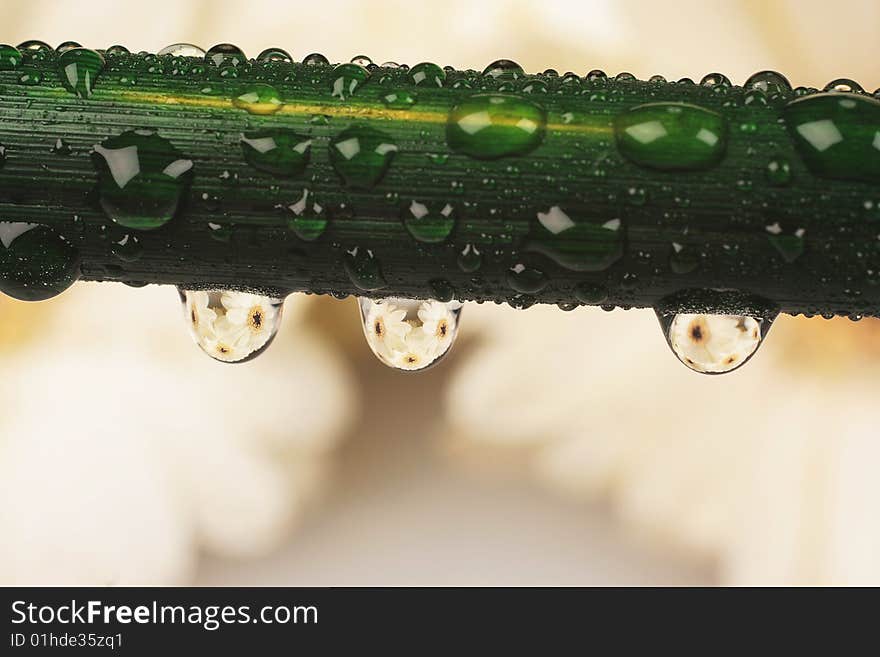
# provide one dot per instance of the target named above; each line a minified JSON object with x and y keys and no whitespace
{"x":714,"y":344}
{"x":408,"y":334}
{"x":231,"y":327}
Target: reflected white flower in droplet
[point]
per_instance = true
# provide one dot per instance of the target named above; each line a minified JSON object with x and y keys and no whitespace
{"x":438,"y":323}
{"x":713,"y":344}
{"x":387,"y":328}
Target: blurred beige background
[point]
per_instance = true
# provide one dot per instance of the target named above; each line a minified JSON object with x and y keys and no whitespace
{"x":126,"y":456}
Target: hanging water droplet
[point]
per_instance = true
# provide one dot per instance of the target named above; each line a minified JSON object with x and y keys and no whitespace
{"x":182,"y":50}
{"x":428,"y":222}
{"x":364,"y":270}
{"x":308,"y":220}
{"x":789,"y":243}
{"x":713,"y":344}
{"x":274,"y":56}
{"x":277,"y":151}
{"x":577,"y":245}
{"x":225,"y":54}
{"x":408,"y":334}
{"x":232,"y":327}
{"x":844,"y":85}
{"x":79,"y":68}
{"x":470,"y":259}
{"x":10,"y":57}
{"x":427,"y":74}
{"x":489,"y":126}
{"x":671,"y":136}
{"x":525,"y":279}
{"x":141,"y":179}
{"x":36,"y":263}
{"x":770,"y":82}
{"x":399,"y":99}
{"x":504,"y":68}
{"x":837,"y":134}
{"x":347,"y":79}
{"x":316,"y":59}
{"x":361,"y":156}
{"x":258,"y":98}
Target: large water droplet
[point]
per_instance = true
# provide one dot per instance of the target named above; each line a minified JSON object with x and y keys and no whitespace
{"x":277,"y":151}
{"x":316,"y":59}
{"x":182,"y":50}
{"x":79,"y":68}
{"x":427,"y":74}
{"x":715,"y":80}
{"x":232,"y":327}
{"x":408,"y":334}
{"x":526,"y":280}
{"x":713,"y":344}
{"x":258,"y":98}
{"x":10,"y":57}
{"x":837,"y":135}
{"x":361,"y":156}
{"x":36,"y":263}
{"x":347,"y":79}
{"x":67,"y":45}
{"x":489,"y":126}
{"x":34,"y":46}
{"x":844,"y":85}
{"x":504,"y":68}
{"x":428,"y":222}
{"x":141,"y":179}
{"x":364,"y":269}
{"x":577,"y":245}
{"x":225,"y":54}
{"x":308,"y":218}
{"x":671,"y":136}
{"x":273,"y":56}
{"x":770,"y":82}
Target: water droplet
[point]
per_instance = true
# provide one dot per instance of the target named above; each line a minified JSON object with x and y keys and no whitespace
{"x":713,"y":344}
{"x":36,"y":263}
{"x":525,"y":279}
{"x":34,"y":46}
{"x":364,"y":270}
{"x":127,"y":248}
{"x":67,"y":45}
{"x":470,"y":259}
{"x":141,"y":179}
{"x":671,"y":136}
{"x":361,"y":60}
{"x":60,"y":147}
{"x":308,"y":218}
{"x":79,"y":68}
{"x":770,"y":82}
{"x":258,"y":98}
{"x":596,"y":75}
{"x":116,"y":50}
{"x":399,"y":99}
{"x":10,"y":57}
{"x":441,"y":290}
{"x":489,"y":126}
{"x":277,"y":151}
{"x":590,"y":293}
{"x":715,"y":80}
{"x":273,"y":56}
{"x":182,"y":50}
{"x":361,"y":156}
{"x":428,"y":222}
{"x":533,"y":86}
{"x":347,"y":80}
{"x":789,"y":243}
{"x":316,"y":59}
{"x":837,"y":135}
{"x":625,"y":77}
{"x":778,"y":171}
{"x":576,"y":244}
{"x":504,"y":68}
{"x":844,"y":85}
{"x":225,"y":54}
{"x":409,"y":334}
{"x":231,"y":327}
{"x":682,"y":259}
{"x":427,"y":74}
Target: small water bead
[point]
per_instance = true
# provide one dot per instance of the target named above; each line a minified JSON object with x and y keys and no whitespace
{"x":127,"y":248}
{"x":504,"y":68}
{"x":657,"y":79}
{"x":409,"y":334}
{"x":361,"y":60}
{"x":364,"y":269}
{"x":428,"y":222}
{"x":391,"y":65}
{"x":770,"y":82}
{"x":348,"y":79}
{"x":526,"y":280}
{"x":10,"y":58}
{"x":844,"y":85}
{"x":533,"y":86}
{"x":114,"y":51}
{"x":277,"y":151}
{"x":400,"y":99}
{"x":671,"y":136}
{"x":713,"y":344}
{"x":142,"y":178}
{"x":837,"y":135}
{"x":225,"y":54}
{"x":231,"y":327}
{"x":316,"y":59}
{"x":625,"y":77}
{"x":596,"y":75}
{"x":715,"y":80}
{"x":577,"y":245}
{"x":789,"y":244}
{"x":427,"y":74}
{"x":67,"y":45}
{"x":36,"y":263}
{"x":361,"y":156}
{"x":683,"y":259}
{"x":470,"y":259}
{"x":79,"y":69}
{"x":778,"y":171}
{"x":308,"y":218}
{"x":489,"y":126}
{"x":258,"y":98}
{"x":182,"y":50}
{"x":274,"y":56}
